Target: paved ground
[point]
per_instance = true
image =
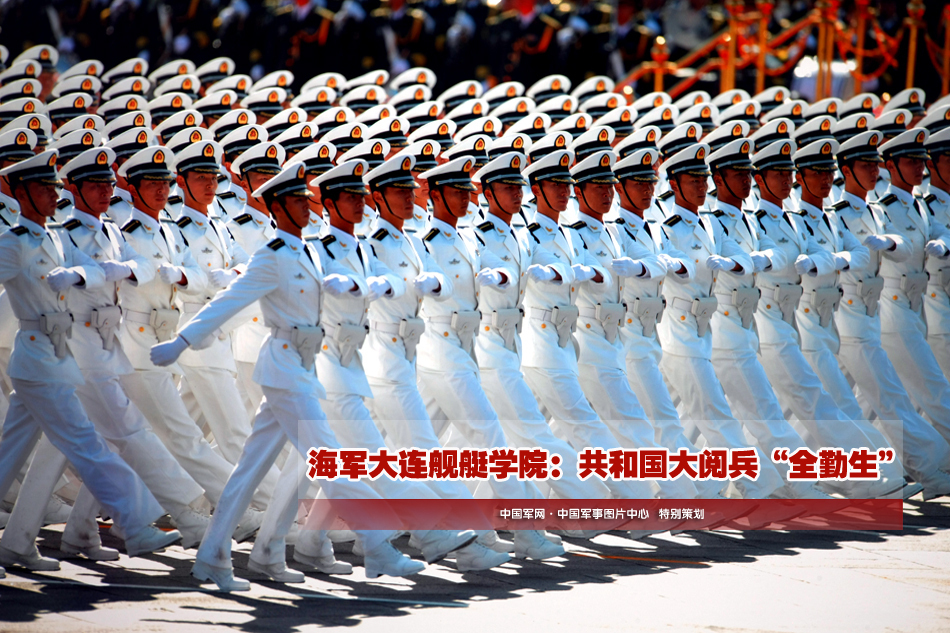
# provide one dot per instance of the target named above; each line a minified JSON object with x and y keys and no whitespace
{"x":697,"y":581}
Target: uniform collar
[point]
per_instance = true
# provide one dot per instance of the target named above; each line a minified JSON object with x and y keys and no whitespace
{"x":257,"y":216}
{"x":774,"y":211}
{"x":942,"y":196}
{"x":593,"y":224}
{"x":905,"y":197}
{"x":811,"y":211}
{"x":392,"y":230}
{"x":125,"y":195}
{"x":730,"y":210}
{"x":197,"y":217}
{"x":89,"y":221}
{"x":146,"y":220}
{"x":295,"y":243}
{"x":500,"y":225}
{"x":858,"y":204}
{"x":445,"y":229}
{"x":35,"y":229}
{"x":546,"y":223}
{"x":632,"y":219}
{"x":688,"y":216}
{"x":419,"y":213}
{"x":346,"y":241}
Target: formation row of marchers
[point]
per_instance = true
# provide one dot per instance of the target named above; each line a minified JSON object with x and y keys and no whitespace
{"x":202,"y":262}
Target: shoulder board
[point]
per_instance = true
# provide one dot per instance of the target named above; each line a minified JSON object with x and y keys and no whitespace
{"x":71,"y":224}
{"x":243,"y":219}
{"x":174,"y":200}
{"x":838,"y":181}
{"x":797,"y":185}
{"x":760,"y":214}
{"x":620,"y":221}
{"x":930,"y":198}
{"x":840,"y":204}
{"x":115,"y":200}
{"x":131,"y":225}
{"x":19,"y":230}
{"x":534,"y":226}
{"x":183,"y":221}
{"x":673,"y":220}
{"x":62,"y":204}
{"x":580,"y":224}
{"x":227,"y":195}
{"x":2,"y":205}
{"x":430,"y":235}
{"x":485,"y":226}
{"x":275,"y":244}
{"x":381,"y":234}
{"x":719,"y":213}
{"x":549,"y":21}
{"x":888,"y":199}
{"x":666,"y":195}
{"x":326,"y":240}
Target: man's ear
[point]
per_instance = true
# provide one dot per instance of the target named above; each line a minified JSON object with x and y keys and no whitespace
{"x":675,"y":186}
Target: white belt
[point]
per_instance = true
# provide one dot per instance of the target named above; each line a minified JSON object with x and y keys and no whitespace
{"x":587,"y":313}
{"x":440,"y":319}
{"x":686,"y":305}
{"x":282,"y":333}
{"x":891,"y":282}
{"x":540,"y":314}
{"x":382,"y":326}
{"x":135,"y":316}
{"x":725,"y":299}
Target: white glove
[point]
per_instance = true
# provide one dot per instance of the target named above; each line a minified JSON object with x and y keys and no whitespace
{"x":878,"y":242}
{"x":116,"y":271}
{"x":671,"y":264}
{"x":337,"y":284}
{"x":626,"y":267}
{"x":583,"y":273}
{"x":60,"y":279}
{"x":541,"y":273}
{"x":804,"y":264}
{"x":220,"y":278}
{"x":166,"y":353}
{"x":170,"y":274}
{"x":760,"y":262}
{"x":488,"y":277}
{"x":379,"y":287}
{"x":717,"y":262}
{"x":841,"y":263}
{"x":426,"y":283}
{"x":935,"y":249}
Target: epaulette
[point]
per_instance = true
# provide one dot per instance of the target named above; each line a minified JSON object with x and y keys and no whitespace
{"x":485,"y":226}
{"x":838,"y":181}
{"x":326,"y":240}
{"x":620,"y":221}
{"x":797,"y":185}
{"x":888,"y":199}
{"x":243,"y":218}
{"x":54,"y":225}
{"x":62,"y":204}
{"x":174,"y":200}
{"x":929,"y":199}
{"x":183,"y":221}
{"x":719,"y":213}
{"x":549,"y":21}
{"x":71,"y":224}
{"x":3,"y":205}
{"x":381,"y":234}
{"x":275,"y":244}
{"x":673,"y":220}
{"x":428,"y":237}
{"x":580,"y":224}
{"x":227,"y":195}
{"x":115,"y":200}
{"x":840,"y":204}
{"x":666,"y":195}
{"x":760,"y":214}
{"x":19,"y":229}
{"x":131,"y":225}
{"x":534,"y":226}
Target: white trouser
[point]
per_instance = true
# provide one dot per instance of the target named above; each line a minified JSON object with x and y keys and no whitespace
{"x":399,"y":409}
{"x":463,"y":401}
{"x":155,"y":395}
{"x":126,"y":431}
{"x":704,"y":404}
{"x":918,"y":370}
{"x":283,"y":415}
{"x":922,"y":448}
{"x":561,"y":394}
{"x":350,"y":421}
{"x":251,"y":393}
{"x":54,"y":409}
{"x":526,"y":427}
{"x":940,"y":346}
{"x":609,"y":392}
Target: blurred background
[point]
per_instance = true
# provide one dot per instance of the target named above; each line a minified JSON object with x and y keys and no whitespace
{"x":523,"y":40}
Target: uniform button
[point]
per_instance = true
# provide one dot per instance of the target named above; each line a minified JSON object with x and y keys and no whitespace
{"x":544,"y":325}
{"x":42,"y":276}
{"x":209,"y":264}
{"x":456,"y":276}
{"x":255,"y":319}
{"x":807,"y":310}
{"x":895,"y":297}
{"x":660,"y":284}
{"x":394,"y":339}
{"x":285,"y":345}
{"x":32,"y":338}
{"x":697,"y":261}
{"x":141,"y":329}
{"x":849,"y":301}
{"x":325,"y":348}
{"x":587,"y":326}
{"x":629,"y":320}
{"x":62,"y":298}
{"x":768,"y":306}
{"x":445,"y":334}
{"x":932,"y":294}
{"x":726,"y":312}
{"x":301,"y":291}
{"x":404,"y":279}
{"x":572,"y":288}
{"x":682,"y":318}
{"x":88,"y":324}
{"x":487,"y":328}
